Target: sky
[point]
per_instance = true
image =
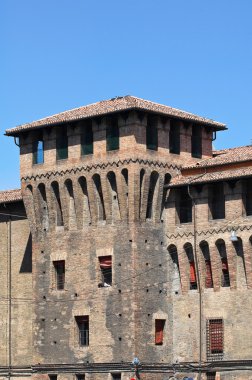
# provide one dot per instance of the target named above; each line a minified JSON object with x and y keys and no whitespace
{"x":190,"y":54}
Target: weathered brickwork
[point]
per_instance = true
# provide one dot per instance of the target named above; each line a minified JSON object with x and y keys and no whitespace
{"x":123,"y":208}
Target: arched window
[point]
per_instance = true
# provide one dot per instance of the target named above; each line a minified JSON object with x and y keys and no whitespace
{"x":208,"y":268}
{"x":59,"y":216}
{"x":192,"y":277}
{"x":225,"y":279}
{"x":99,"y":197}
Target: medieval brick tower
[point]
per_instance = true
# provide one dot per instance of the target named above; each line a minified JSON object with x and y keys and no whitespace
{"x":95,"y":185}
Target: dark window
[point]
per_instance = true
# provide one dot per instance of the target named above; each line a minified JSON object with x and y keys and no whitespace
{"x":196,"y":141}
{"x":192,"y":275}
{"x":80,"y":377}
{"x":217,"y":201}
{"x":159,"y":331}
{"x":112,"y":135}
{"x":174,"y":137}
{"x":53,"y":377}
{"x":87,"y":139}
{"x":62,"y":144}
{"x":215,"y":339}
{"x":210,"y":375}
{"x":151,"y":134}
{"x":106,"y":271}
{"x":59,"y":267}
{"x":248,"y":197}
{"x":83,"y":329}
{"x":116,"y":376}
{"x":225,"y":279}
{"x":184,"y":206}
{"x":208,"y":267}
{"x":38,"y":152}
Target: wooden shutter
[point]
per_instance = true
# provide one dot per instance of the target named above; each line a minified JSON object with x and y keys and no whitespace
{"x":192,"y":272}
{"x":159,"y":331}
{"x":209,"y":278}
{"x":105,"y":262}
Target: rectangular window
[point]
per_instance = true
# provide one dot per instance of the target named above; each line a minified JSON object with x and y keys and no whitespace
{"x":174,"y":137}
{"x":248,"y":197}
{"x":196,"y":140}
{"x":215,"y":339}
{"x":62,"y":144}
{"x":112,"y":135}
{"x":59,"y":267}
{"x":83,"y":329}
{"x":217,"y":201}
{"x":38,"y":152}
{"x":53,"y":377}
{"x":116,"y":376}
{"x":159,"y":331}
{"x":80,"y":377}
{"x":87,"y":139}
{"x":210,"y":375}
{"x":151,"y":134}
{"x":106,"y":271}
{"x":184,"y":206}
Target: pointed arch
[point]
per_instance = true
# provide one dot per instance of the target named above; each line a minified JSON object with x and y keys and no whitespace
{"x":99,"y":197}
{"x":152,"y":195}
{"x":85,"y":204}
{"x":115,"y":209}
{"x":225,"y":278}
{"x":70,"y":203}
{"x":192,"y":277}
{"x":204,"y":247}
{"x":57,"y":203}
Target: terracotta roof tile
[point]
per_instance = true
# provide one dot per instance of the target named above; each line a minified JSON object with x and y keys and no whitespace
{"x":224,"y":157}
{"x":104,"y":107}
{"x":211,"y":177}
{"x":8,"y":196}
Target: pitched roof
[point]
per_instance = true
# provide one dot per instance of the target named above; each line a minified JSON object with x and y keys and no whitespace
{"x":225,"y":157}
{"x":104,"y":107}
{"x":8,"y":196}
{"x":211,"y":177}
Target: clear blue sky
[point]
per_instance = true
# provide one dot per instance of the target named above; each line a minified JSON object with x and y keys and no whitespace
{"x":59,"y":54}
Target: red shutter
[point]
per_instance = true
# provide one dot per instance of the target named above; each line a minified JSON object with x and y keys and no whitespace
{"x":192,"y":272}
{"x":105,"y":262}
{"x":209,"y":278}
{"x":159,"y":331}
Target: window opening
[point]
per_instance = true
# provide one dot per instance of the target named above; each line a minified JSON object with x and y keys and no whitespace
{"x":80,"y":377}
{"x":248,"y":197}
{"x":116,"y":376}
{"x":210,"y":375}
{"x":53,"y":377}
{"x":83,"y":329}
{"x":152,"y":195}
{"x":159,"y":331}
{"x":225,"y":279}
{"x":87,"y":139}
{"x":192,"y":273}
{"x":152,"y":134}
{"x":112,"y":135}
{"x":59,"y":267}
{"x":208,"y":267}
{"x":184,"y":206}
{"x":38,"y":152}
{"x":106,"y":271}
{"x":62,"y":144}
{"x":174,"y":137}
{"x":196,"y":140}
{"x":215,"y":339}
{"x":217,"y":201}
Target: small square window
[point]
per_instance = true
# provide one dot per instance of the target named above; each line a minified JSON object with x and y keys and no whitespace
{"x":80,"y":376}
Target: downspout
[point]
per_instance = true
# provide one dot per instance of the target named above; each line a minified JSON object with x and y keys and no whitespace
{"x":9,"y":296}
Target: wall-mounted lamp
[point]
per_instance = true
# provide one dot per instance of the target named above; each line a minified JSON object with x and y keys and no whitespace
{"x":233,"y":236}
